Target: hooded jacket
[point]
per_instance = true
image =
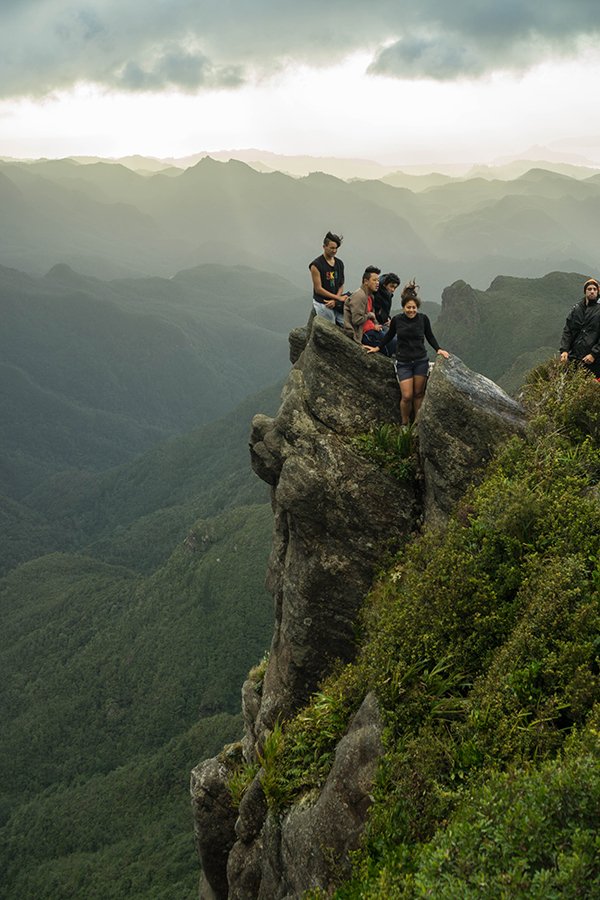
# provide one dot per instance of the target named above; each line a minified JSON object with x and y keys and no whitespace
{"x":382,"y":304}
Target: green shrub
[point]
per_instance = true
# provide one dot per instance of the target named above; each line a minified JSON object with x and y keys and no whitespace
{"x":566,"y":397}
{"x":240,"y":780}
{"x":390,"y":446}
{"x":529,"y":834}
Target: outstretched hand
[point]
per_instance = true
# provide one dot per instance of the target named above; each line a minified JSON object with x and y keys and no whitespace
{"x":372,"y":349}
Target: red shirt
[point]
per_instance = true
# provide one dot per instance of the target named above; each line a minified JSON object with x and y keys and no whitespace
{"x":369,"y":324}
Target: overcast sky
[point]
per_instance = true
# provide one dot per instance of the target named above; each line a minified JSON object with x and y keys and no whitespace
{"x":397,"y":81}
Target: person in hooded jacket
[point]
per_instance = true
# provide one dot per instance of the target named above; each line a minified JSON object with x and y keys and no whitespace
{"x":580,"y":340}
{"x":382,"y":299}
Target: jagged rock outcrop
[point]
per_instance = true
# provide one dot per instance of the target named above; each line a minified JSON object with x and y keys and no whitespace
{"x":298,"y":339}
{"x":460,"y":317}
{"x":310,"y":846}
{"x":336,"y":514}
{"x":214,"y":819}
{"x":463,"y":419}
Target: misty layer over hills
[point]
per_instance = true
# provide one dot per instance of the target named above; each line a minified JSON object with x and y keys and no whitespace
{"x":95,"y":371}
{"x":109,"y":221}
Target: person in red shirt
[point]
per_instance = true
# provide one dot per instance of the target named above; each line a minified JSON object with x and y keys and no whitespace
{"x":358,"y":312}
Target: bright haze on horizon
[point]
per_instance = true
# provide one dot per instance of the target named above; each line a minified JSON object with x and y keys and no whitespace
{"x":401,"y":83}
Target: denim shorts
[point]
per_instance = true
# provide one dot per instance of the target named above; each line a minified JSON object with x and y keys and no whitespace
{"x":405,"y":370}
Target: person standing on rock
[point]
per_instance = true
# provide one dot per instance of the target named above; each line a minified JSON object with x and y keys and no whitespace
{"x":580,"y":340}
{"x":411,"y":327}
{"x":327,"y":273}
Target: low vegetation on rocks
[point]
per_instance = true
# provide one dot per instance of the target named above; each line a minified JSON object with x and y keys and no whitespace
{"x":390,"y":446}
{"x":482,"y":645}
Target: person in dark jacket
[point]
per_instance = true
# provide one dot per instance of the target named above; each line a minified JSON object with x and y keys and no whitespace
{"x":382,"y":299}
{"x":580,"y":340}
{"x":411,"y":328}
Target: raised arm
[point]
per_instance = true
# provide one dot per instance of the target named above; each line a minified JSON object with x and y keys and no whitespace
{"x":432,"y":339}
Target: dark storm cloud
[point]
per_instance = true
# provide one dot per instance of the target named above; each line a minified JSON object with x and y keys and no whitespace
{"x":190,"y":44}
{"x":470,"y":39}
{"x":438,"y":58}
{"x":175,"y":67}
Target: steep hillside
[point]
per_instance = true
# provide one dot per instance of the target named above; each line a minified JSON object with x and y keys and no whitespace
{"x":482,"y":647}
{"x":94,"y":372}
{"x":121,"y":662}
{"x":102,"y":669}
{"x":455,"y":752}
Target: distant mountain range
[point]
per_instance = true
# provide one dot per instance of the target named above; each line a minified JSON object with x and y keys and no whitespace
{"x":548,"y":158}
{"x":106,"y":220}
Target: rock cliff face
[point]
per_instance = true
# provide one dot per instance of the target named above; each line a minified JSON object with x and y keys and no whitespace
{"x":336,"y":515}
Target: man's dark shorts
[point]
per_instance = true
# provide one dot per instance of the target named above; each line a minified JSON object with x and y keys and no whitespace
{"x":405,"y":370}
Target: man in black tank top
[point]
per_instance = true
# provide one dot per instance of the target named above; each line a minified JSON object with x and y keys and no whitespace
{"x":327,"y":273}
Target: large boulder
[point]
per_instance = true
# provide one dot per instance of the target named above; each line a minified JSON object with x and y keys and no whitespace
{"x":463,"y":418}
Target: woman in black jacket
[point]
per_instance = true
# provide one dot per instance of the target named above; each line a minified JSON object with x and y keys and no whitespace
{"x":411,"y":328}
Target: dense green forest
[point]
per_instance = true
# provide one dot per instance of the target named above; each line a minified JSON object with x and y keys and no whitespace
{"x":125,"y":833}
{"x":132,"y":606}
